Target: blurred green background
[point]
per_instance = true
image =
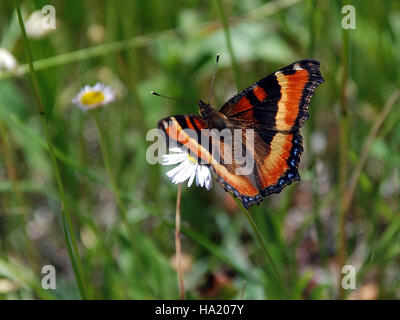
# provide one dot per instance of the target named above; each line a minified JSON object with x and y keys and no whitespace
{"x":351,"y":142}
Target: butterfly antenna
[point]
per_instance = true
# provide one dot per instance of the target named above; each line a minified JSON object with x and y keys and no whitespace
{"x":170,"y":98}
{"x":213,"y":79}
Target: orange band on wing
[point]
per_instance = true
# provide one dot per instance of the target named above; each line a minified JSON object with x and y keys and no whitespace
{"x":260,"y":93}
{"x":199,"y":123}
{"x":243,"y":105}
{"x":275,"y":164}
{"x":292,"y":87}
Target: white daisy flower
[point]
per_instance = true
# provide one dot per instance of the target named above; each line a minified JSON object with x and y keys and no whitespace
{"x":188,"y":168}
{"x":93,"y":97}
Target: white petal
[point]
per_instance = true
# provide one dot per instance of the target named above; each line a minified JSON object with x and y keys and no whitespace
{"x":173,"y":158}
{"x":193,"y":175}
{"x":208,"y":179}
{"x":175,"y":171}
{"x":204,"y":177}
{"x":108,"y":95}
{"x":180,"y":173}
{"x":177,"y":149}
{"x":187,"y":173}
{"x":98,"y":87}
{"x":199,"y":177}
{"x":203,"y":173}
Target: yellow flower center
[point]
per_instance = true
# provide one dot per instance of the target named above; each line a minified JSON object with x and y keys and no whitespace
{"x":92,"y":97}
{"x":191,"y":159}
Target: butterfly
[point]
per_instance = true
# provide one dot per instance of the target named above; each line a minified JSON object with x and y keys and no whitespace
{"x":275,"y":108}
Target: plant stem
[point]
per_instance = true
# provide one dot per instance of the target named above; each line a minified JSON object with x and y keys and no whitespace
{"x":367,"y":146}
{"x":9,"y":162}
{"x":178,"y":247}
{"x":263,"y":245}
{"x":110,"y":172}
{"x":69,"y":231}
{"x":114,"y":188}
{"x":343,"y":153}
{"x":116,"y":192}
{"x":243,"y":289}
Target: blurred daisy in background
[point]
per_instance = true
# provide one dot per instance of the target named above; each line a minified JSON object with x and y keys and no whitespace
{"x":188,"y":168}
{"x":96,"y":33}
{"x":7,"y":61}
{"x":34,"y":26}
{"x":90,"y":98}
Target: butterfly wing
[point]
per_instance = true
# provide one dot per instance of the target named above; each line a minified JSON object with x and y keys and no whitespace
{"x":275,"y":107}
{"x":187,"y":132}
{"x":279,"y":101}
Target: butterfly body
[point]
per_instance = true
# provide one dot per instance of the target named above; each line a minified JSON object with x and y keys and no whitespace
{"x":214,"y":118}
{"x":274,"y":109}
